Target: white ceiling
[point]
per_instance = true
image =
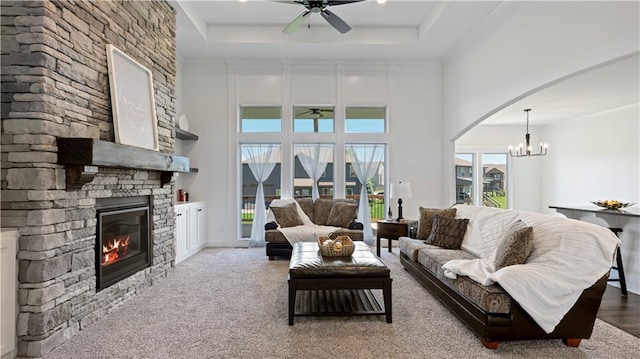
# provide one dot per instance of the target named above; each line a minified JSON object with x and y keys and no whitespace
{"x":398,"y":30}
{"x":606,"y":88}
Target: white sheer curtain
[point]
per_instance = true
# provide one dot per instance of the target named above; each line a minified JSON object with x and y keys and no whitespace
{"x":314,"y":158}
{"x":365,"y":159}
{"x":261,"y":159}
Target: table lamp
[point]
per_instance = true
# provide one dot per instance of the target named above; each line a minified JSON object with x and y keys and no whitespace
{"x":399,"y":190}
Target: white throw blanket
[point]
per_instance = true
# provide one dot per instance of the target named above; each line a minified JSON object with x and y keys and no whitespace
{"x":308,"y":232}
{"x":568,"y":256}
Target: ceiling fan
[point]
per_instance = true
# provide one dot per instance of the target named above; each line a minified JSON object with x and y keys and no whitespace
{"x":313,"y":112}
{"x":319,"y":6}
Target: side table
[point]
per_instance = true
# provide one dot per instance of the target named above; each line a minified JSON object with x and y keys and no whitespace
{"x":390,"y":230}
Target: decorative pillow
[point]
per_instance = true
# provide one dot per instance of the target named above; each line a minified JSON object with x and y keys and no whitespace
{"x":493,"y":227}
{"x":426,"y":219}
{"x":447,"y":232}
{"x":321,"y":210}
{"x":287,"y":216}
{"x":515,"y":247}
{"x":342,"y":214}
{"x":306,"y":204}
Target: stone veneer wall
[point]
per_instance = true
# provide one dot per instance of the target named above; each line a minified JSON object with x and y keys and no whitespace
{"x":55,"y":84}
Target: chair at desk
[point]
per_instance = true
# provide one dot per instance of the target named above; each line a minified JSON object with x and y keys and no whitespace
{"x":618,"y":267}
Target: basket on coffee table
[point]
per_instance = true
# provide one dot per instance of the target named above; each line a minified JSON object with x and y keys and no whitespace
{"x":341,"y":246}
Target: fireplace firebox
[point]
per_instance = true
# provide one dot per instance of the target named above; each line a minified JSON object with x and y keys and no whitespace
{"x":123,"y":244}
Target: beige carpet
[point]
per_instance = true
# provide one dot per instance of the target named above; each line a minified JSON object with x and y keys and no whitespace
{"x":232,"y":303}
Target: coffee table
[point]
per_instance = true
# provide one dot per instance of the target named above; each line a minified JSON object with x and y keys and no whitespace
{"x":320,"y":286}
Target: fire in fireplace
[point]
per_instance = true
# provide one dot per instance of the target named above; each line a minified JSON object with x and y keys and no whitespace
{"x":116,"y":248}
{"x":123,"y":246}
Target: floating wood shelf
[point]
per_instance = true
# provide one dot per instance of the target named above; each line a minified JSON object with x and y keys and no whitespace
{"x":185,"y":135}
{"x":83,"y":156}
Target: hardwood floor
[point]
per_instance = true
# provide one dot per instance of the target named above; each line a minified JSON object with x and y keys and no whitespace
{"x":621,"y":312}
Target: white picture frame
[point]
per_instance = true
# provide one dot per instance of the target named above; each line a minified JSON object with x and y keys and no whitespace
{"x":132,"y":101}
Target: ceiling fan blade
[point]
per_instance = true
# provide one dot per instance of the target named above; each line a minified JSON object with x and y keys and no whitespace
{"x":341,"y":2}
{"x":335,"y":21}
{"x":294,"y":2}
{"x":295,"y":24}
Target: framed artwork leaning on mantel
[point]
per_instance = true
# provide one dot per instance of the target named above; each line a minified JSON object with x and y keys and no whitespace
{"x":132,"y":101}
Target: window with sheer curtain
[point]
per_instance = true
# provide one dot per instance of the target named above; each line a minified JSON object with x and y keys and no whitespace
{"x":367,"y":161}
{"x":314,"y":158}
{"x":260,"y":160}
{"x":318,"y":151}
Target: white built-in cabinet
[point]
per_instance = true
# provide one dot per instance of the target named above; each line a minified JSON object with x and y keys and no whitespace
{"x":191,"y":228}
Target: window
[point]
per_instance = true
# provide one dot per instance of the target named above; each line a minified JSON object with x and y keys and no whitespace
{"x":365,"y":119}
{"x":494,"y":191}
{"x":260,"y":119}
{"x":313,"y":161}
{"x":313,"y":119}
{"x":366,"y":163}
{"x":313,"y":169}
{"x":464,"y":177}
{"x":482,"y":174}
{"x":259,"y":161}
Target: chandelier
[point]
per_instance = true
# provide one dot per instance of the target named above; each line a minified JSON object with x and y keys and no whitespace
{"x":525,"y":150}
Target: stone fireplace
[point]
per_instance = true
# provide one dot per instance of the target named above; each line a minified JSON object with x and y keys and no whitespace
{"x":55,"y":87}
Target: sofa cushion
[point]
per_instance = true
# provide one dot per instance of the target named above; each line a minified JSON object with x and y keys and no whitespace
{"x":342,"y":214}
{"x":410,"y":247}
{"x":287,"y":215}
{"x":322,"y":209}
{"x":426,"y":219}
{"x":515,"y":247}
{"x":492,"y":298}
{"x":447,"y":232}
{"x":307,"y":206}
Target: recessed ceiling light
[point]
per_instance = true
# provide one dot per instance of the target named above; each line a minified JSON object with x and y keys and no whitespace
{"x":381,"y":1}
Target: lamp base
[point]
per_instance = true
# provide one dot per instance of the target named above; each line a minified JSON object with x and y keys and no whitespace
{"x":399,"y":210}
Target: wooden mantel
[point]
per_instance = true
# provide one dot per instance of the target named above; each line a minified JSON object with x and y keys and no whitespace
{"x":83,"y":156}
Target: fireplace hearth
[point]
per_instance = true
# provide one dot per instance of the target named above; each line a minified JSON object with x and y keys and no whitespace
{"x":123,"y":244}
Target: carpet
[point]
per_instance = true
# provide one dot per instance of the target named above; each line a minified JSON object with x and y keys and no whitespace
{"x":232,"y":303}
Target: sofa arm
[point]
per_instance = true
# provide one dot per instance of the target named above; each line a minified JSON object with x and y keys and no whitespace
{"x":270,"y":225}
{"x":356,"y":225}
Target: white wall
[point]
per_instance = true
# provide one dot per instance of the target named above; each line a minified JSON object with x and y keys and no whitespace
{"x":205,"y":104}
{"x":179,"y":112}
{"x":516,"y":54}
{"x":212,"y":93}
{"x":593,"y":158}
{"x":598,"y":158}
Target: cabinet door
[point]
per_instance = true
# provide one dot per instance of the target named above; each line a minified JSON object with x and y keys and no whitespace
{"x":193,"y":229}
{"x":182,"y":233}
{"x":201,"y":224}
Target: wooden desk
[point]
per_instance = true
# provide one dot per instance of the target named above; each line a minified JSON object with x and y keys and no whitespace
{"x":390,"y":230}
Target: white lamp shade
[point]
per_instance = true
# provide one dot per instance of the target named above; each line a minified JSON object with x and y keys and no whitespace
{"x":400,"y":190}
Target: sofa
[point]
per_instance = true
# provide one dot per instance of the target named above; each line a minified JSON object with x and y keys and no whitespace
{"x":550,"y":288}
{"x":322,"y":217}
